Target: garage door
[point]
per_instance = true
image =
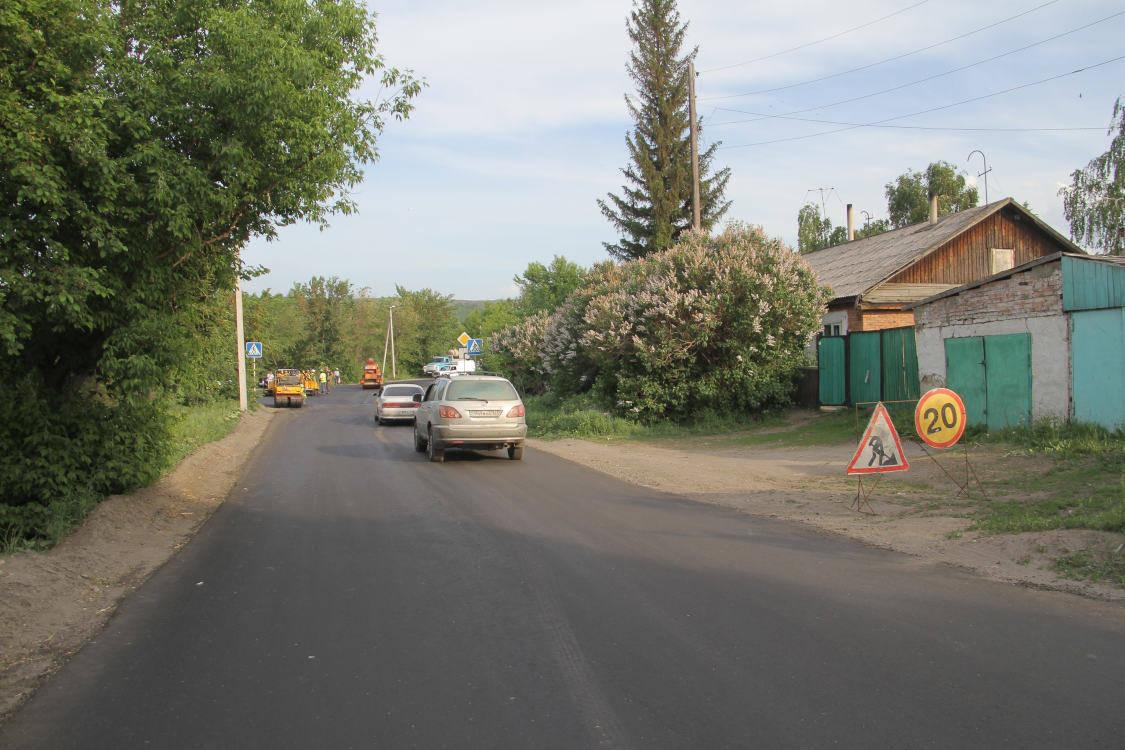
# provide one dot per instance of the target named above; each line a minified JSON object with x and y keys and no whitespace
{"x":1097,"y":357}
{"x":992,"y":374}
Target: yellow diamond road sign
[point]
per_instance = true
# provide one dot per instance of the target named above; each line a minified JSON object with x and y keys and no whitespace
{"x":464,"y":338}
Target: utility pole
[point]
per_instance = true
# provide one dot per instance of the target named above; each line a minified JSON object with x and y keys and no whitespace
{"x":240,"y":336}
{"x":696,"y":221}
{"x":394,"y":371}
{"x":391,"y":340}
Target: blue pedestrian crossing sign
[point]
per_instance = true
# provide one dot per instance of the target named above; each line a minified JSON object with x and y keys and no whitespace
{"x":253,"y":348}
{"x":475,"y":347}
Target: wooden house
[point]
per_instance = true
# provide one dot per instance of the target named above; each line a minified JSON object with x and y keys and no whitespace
{"x":875,"y":279}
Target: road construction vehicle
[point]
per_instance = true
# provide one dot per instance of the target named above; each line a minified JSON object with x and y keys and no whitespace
{"x":308,"y":378}
{"x":372,"y":375}
{"x":289,"y":388}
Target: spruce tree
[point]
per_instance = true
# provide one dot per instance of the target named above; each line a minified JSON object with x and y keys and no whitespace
{"x":655,"y":206}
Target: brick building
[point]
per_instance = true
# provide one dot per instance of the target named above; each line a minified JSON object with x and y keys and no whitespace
{"x":876,"y":279}
{"x":1043,"y":340}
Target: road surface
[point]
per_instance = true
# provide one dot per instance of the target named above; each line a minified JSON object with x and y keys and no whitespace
{"x":351,"y":594}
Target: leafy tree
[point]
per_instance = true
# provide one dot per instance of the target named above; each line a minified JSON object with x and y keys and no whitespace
{"x":491,"y":317}
{"x":908,"y":197}
{"x":545,"y":287}
{"x":425,"y":324}
{"x":813,"y":230}
{"x":1094,"y":203}
{"x":326,"y":306}
{"x":143,"y":143}
{"x":655,"y":206}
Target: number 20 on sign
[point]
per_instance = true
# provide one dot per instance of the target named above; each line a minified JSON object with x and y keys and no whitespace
{"x":940,"y":418}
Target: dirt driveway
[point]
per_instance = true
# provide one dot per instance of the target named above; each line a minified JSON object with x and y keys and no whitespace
{"x":52,"y":603}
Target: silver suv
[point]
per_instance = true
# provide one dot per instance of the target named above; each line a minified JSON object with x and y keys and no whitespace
{"x":469,"y":411}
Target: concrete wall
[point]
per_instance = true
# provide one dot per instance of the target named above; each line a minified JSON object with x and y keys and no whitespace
{"x":1028,"y":302}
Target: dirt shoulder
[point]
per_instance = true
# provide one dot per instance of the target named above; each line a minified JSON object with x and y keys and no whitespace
{"x":51,"y":603}
{"x":917,"y":512}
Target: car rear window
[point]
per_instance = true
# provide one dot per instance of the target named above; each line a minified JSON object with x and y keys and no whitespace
{"x":400,"y":390}
{"x":493,"y":390}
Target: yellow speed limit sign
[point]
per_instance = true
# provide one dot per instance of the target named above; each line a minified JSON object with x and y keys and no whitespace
{"x":940,"y":418}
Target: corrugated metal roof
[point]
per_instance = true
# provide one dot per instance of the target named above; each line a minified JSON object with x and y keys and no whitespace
{"x":855,"y":267}
{"x":1093,"y":282}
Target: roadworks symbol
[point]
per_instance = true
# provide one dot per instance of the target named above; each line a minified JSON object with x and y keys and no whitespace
{"x":880,"y":448}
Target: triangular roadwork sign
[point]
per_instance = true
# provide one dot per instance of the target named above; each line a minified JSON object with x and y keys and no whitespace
{"x":880,"y":448}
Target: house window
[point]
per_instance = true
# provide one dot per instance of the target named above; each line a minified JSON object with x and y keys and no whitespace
{"x":1001,"y":259}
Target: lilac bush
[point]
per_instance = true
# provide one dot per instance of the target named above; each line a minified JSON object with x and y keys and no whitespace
{"x":718,"y":323}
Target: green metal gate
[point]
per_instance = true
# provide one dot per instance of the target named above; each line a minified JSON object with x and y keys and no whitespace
{"x":900,"y":364}
{"x":868,"y":366}
{"x":832,"y":370}
{"x":992,"y":374}
{"x":865,"y":367}
{"x":1097,"y":356}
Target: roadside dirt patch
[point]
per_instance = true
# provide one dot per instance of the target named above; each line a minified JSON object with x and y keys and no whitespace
{"x":53,"y":602}
{"x":916,"y":512}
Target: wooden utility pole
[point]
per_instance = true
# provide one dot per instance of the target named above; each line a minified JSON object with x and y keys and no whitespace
{"x":696,"y":222}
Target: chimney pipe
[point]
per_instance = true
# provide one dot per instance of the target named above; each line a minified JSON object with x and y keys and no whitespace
{"x":851,"y":224}
{"x":933,"y":210}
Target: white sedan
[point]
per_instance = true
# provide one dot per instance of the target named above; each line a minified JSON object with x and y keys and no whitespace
{"x":396,"y":403}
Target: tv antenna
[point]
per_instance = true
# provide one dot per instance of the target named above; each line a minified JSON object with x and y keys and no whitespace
{"x":983,"y":174}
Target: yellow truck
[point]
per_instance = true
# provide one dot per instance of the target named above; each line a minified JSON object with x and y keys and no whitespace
{"x":289,"y":388}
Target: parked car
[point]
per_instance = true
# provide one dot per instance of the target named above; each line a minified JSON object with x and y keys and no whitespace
{"x":471,"y":411}
{"x":396,"y":402}
{"x":432,"y":367}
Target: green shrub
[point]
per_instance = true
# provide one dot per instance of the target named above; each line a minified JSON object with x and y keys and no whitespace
{"x":714,"y":323}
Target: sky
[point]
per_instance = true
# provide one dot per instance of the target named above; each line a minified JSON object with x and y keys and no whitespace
{"x":523,"y":123}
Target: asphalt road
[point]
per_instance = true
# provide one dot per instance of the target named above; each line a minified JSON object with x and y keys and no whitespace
{"x":351,"y":594}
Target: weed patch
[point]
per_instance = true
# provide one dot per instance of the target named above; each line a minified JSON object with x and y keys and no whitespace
{"x":1092,"y":564}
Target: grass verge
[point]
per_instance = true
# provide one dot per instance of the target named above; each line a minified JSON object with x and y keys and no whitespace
{"x":1083,"y":486}
{"x":549,"y":417}
{"x":193,"y":426}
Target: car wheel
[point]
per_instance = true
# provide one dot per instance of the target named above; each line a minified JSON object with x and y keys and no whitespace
{"x":515,"y":452}
{"x":419,"y":443}
{"x":437,"y":455}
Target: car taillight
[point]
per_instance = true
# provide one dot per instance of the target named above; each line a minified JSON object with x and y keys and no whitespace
{"x":516,"y":411}
{"x":448,"y":412}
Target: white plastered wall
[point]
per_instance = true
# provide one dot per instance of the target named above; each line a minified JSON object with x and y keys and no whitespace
{"x":1050,"y":358}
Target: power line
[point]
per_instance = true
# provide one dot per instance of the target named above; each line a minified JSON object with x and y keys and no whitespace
{"x":918,"y":127}
{"x":818,"y":41}
{"x":914,"y":83}
{"x":853,"y":126}
{"x":881,"y":62}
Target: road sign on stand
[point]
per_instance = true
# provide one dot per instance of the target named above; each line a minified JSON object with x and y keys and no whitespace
{"x":880,"y":449}
{"x":254,"y":349}
{"x":464,"y":339}
{"x":940,"y":418}
{"x":475,"y":347}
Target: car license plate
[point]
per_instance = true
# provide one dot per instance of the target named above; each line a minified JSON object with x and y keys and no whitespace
{"x":484,"y":412}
